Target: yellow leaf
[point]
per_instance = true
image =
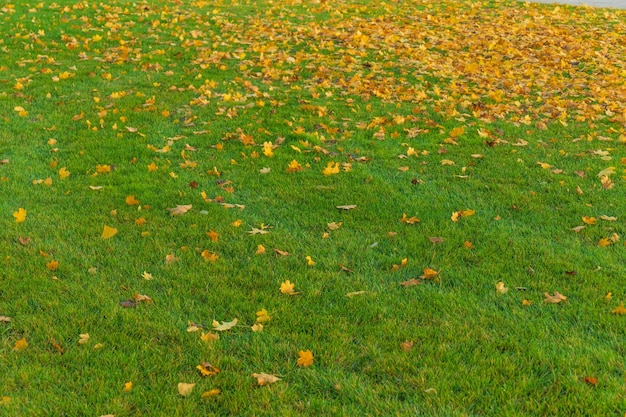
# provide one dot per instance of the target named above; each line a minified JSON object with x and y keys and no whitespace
{"x":128,"y":386}
{"x":103,"y":169}
{"x":64,"y":173}
{"x":457,"y":131}
{"x":402,"y":264}
{"x":310,"y":261}
{"x":206,"y":369}
{"x":429,"y":273}
{"x":287,"y":288}
{"x":604,"y":242}
{"x":262,"y":316}
{"x":209,"y":337}
{"x":409,"y":220}
{"x":267,"y":149}
{"x":140,"y":221}
{"x":589,"y":220}
{"x":226,"y":325}
{"x":263,"y":379}
{"x":331,"y":168}
{"x":606,"y":172}
{"x":257,"y":327}
{"x":213,"y":235}
{"x":108,"y":232}
{"x":447,"y":162}
{"x":5,"y":400}
{"x":260,"y":249}
{"x":83,"y":338}
{"x":294,"y":166}
{"x":211,"y":393}
{"x":501,"y":289}
{"x":544,"y":165}
{"x":620,"y":310}
{"x":20,"y":215}
{"x":526,"y":303}
{"x":152,"y":167}
{"x":20,"y":345}
{"x":305,"y":358}
{"x":236,"y":223}
{"x":185,"y":389}
{"x":132,"y":201}
{"x":52,"y":265}
{"x":468,"y":244}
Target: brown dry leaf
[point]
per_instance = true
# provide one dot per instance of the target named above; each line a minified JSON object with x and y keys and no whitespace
{"x":334,"y":226}
{"x":52,"y":265}
{"x":577,"y":229}
{"x":345,"y":269}
{"x":264,"y":379}
{"x":411,"y":282}
{"x":180,"y":209}
{"x":554,"y":299}
{"x":185,"y":389}
{"x":128,"y":303}
{"x":436,"y":240}
{"x":139,"y":298}
{"x":171,"y":258}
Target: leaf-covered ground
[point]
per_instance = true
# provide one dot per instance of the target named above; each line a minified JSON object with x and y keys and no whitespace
{"x":312,"y":208}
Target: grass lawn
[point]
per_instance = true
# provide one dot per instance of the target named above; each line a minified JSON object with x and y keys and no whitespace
{"x":328,"y":208}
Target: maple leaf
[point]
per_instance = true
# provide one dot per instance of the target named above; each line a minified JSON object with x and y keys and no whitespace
{"x":208,"y":256}
{"x":554,"y":299}
{"x":20,"y":345}
{"x":268,"y":149}
{"x":64,"y":173}
{"x":132,"y":201}
{"x":184,"y":389}
{"x":179,"y":209}
{"x":287,"y":288}
{"x":604,"y":242}
{"x":20,"y":215}
{"x":264,"y":379}
{"x":331,"y":168}
{"x":305,"y":358}
{"x":226,"y":325}
{"x":620,"y":310}
{"x":108,"y":232}
{"x":429,"y":273}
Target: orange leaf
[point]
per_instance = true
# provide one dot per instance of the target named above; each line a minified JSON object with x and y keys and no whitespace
{"x":604,"y":242}
{"x":589,"y":220}
{"x":52,"y":265}
{"x":132,"y":201}
{"x":213,"y":235}
{"x":429,"y":273}
{"x":20,"y":345}
{"x":108,"y":232}
{"x":620,"y":310}
{"x":305,"y":358}
{"x":208,"y":256}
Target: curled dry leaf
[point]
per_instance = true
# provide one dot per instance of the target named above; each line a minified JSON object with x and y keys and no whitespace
{"x":226,"y":325}
{"x":211,"y":393}
{"x":180,"y":209}
{"x":355,"y":293}
{"x":554,"y":299}
{"x":264,"y":379}
{"x":128,"y":303}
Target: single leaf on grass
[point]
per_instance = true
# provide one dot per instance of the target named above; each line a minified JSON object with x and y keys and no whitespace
{"x":436,"y":239}
{"x":281,"y":252}
{"x":257,"y":327}
{"x":264,"y":379}
{"x":287,"y":288}
{"x":604,"y":242}
{"x":209,"y":337}
{"x":132,"y":201}
{"x":619,"y":310}
{"x":256,"y":231}
{"x":310,"y":261}
{"x":411,"y":282}
{"x":208,"y":256}
{"x":589,"y":220}
{"x":52,"y":265}
{"x":347,"y":207}
{"x":554,"y":299}
{"x":402,"y":264}
{"x":501,"y":289}
{"x":577,"y":229}
{"x":83,"y":338}
{"x":260,"y":250}
{"x":20,"y":345}
{"x":128,"y":303}
{"x":140,"y":298}
{"x":20,"y":215}
{"x":331,"y":168}
{"x":429,"y":273}
{"x":355,"y":293}
{"x":128,"y":386}
{"x":407,"y":345}
{"x":462,"y":213}
{"x":608,"y":218}
{"x":64,"y":173}
{"x":180,"y":209}
{"x":226,"y":325}
{"x":206,"y":369}
{"x":591,"y":380}
{"x":108,"y":232}
{"x":5,"y":319}
{"x":185,"y":389}
{"x":214,"y":236}
{"x":146,"y":276}
{"x":334,"y":226}
{"x":211,"y":393}
{"x":526,"y":303}
{"x":409,"y":220}
{"x":262,"y":316}
{"x":5,"y":400}
{"x":305,"y":358}
{"x":606,"y":172}
{"x":171,"y":258}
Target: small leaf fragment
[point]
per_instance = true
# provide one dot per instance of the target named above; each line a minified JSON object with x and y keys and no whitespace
{"x":185,"y":389}
{"x":347,"y":207}
{"x":264,"y":379}
{"x":411,"y":282}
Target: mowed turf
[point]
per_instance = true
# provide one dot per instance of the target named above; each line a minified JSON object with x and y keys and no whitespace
{"x":419,"y":171}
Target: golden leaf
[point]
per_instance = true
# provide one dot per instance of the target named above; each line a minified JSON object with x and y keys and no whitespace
{"x":108,"y":232}
{"x":604,"y":242}
{"x":287,"y":288}
{"x":526,"y":303}
{"x":236,"y":223}
{"x":334,"y":226}
{"x":589,"y":220}
{"x":429,"y":273}
{"x":407,"y":345}
{"x":305,"y":358}
{"x":214,"y":236}
{"x":152,"y":167}
{"x":294,"y":166}
{"x":211,"y":393}
{"x":20,"y":345}
{"x":263,"y":379}
{"x":52,"y":265}
{"x":544,"y":165}
{"x":128,"y":386}
{"x":64,"y":173}
{"x":409,"y":220}
{"x":83,"y":338}
{"x":132,"y":201}
{"x":260,"y":249}
{"x":185,"y":389}
{"x":331,"y":168}
{"x":402,"y":264}
{"x":206,"y":369}
{"x":310,"y":261}
{"x":620,"y":310}
{"x":257,"y":327}
{"x":209,"y":337}
{"x":262,"y":316}
{"x":20,"y":215}
{"x":208,"y":256}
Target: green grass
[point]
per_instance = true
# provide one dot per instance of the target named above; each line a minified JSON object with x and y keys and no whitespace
{"x":508,"y":73}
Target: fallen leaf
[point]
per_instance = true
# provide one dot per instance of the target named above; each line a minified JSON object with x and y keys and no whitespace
{"x":526,"y":303}
{"x":226,"y":325}
{"x":208,"y":256}
{"x":128,"y":386}
{"x":620,"y":310}
{"x":262,"y":316}
{"x":429,"y":273}
{"x":171,"y":258}
{"x":140,"y":298}
{"x":265,"y":170}
{"x":411,"y":282}
{"x":305,"y":358}
{"x":310,"y":261}
{"x":334,"y":226}
{"x":409,"y":220}
{"x":64,"y":173}
{"x":606,"y":172}
{"x":132,"y":201}
{"x":236,"y":223}
{"x":6,"y":400}
{"x":331,"y":168}
{"x":20,"y":345}
{"x":146,"y":276}
{"x":211,"y":393}
{"x":402,"y":264}
{"x":608,"y":218}
{"x":554,"y":299}
{"x":577,"y":229}
{"x":255,"y":231}
{"x":355,"y":293}
{"x":260,"y":249}
{"x":5,"y":319}
{"x":591,"y":380}
{"x":345,"y":269}
{"x":287,"y":288}
{"x":52,"y":265}
{"x":185,"y":389}
{"x":263,"y":379}
{"x":20,"y":215}
{"x":213,"y":236}
{"x":108,"y":232}
{"x":407,"y":345}
{"x":501,"y":289}
{"x":348,"y":207}
{"x":209,"y":337}
{"x":589,"y":220}
{"x":281,"y":252}
{"x":604,"y":242}
{"x":83,"y":338}
{"x":544,"y":165}
{"x":179,"y":209}
{"x":436,"y":239}
{"x":206,"y":369}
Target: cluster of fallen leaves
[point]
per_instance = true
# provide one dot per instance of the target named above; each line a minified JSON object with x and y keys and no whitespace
{"x":519,"y":64}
